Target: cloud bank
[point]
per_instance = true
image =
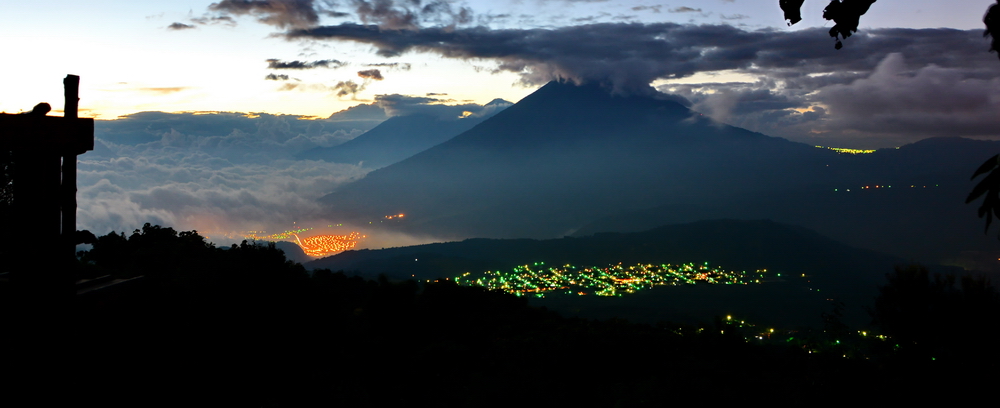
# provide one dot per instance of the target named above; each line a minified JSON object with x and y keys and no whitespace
{"x":221,"y":173}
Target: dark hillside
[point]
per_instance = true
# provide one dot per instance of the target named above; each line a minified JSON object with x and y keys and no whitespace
{"x":831,"y":269}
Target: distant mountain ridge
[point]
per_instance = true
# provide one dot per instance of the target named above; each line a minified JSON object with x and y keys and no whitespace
{"x":399,"y":137}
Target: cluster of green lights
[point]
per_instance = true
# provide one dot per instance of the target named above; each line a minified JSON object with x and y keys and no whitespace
{"x":848,"y":151}
{"x":539,"y":279}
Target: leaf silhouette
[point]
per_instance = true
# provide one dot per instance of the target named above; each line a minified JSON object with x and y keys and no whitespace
{"x":986,"y":166}
{"x":990,"y":187}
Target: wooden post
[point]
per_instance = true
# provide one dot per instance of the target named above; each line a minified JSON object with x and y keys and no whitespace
{"x":71,"y":91}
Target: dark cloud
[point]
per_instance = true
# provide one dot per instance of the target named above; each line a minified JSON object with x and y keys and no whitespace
{"x":630,"y":56}
{"x":685,"y":9}
{"x":280,"y":13}
{"x":387,"y":14}
{"x":590,"y":19}
{"x":410,"y":14}
{"x":734,"y":16}
{"x":179,"y":26}
{"x":345,"y":88}
{"x":402,"y":66}
{"x":276,"y":77}
{"x":895,"y":103}
{"x":205,"y":20}
{"x":278,"y":64}
{"x":373,"y":74}
{"x":929,"y":101}
{"x":655,"y":9}
{"x":749,"y":105}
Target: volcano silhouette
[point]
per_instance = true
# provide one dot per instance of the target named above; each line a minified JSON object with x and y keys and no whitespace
{"x":566,"y":155}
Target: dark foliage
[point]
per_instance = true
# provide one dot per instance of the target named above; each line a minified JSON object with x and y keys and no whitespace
{"x":930,"y":318}
{"x":989,"y":187}
{"x":992,"y":21}
{"x":242,"y":326}
{"x":792,"y":10}
{"x":846,"y":15}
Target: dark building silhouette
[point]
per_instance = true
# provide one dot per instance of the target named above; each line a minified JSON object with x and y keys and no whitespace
{"x":38,"y":157}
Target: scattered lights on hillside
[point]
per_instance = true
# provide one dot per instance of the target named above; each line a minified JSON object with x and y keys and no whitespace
{"x":326,"y":245}
{"x":613,"y":280}
{"x":848,"y":151}
{"x":390,"y":217}
{"x":882,"y":186}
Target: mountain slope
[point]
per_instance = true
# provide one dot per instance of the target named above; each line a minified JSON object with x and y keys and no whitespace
{"x":395,"y":139}
{"x":566,"y":155}
{"x":400,"y":137}
{"x":909,"y":202}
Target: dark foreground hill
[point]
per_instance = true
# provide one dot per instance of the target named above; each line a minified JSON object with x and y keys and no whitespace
{"x":576,"y":158}
{"x":814,"y":269}
{"x":244,"y":327}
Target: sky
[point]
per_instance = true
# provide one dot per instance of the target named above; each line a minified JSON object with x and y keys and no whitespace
{"x":212,"y":56}
{"x":915,"y":69}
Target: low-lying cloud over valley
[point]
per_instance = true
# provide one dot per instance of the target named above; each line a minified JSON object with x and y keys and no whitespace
{"x":225,"y":173}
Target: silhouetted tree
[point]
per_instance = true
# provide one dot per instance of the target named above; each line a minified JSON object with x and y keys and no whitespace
{"x":929,"y":317}
{"x":990,"y":185}
{"x":989,"y":188}
{"x":833,"y":322}
{"x":992,"y":21}
{"x":792,"y":10}
{"x":846,"y":15}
